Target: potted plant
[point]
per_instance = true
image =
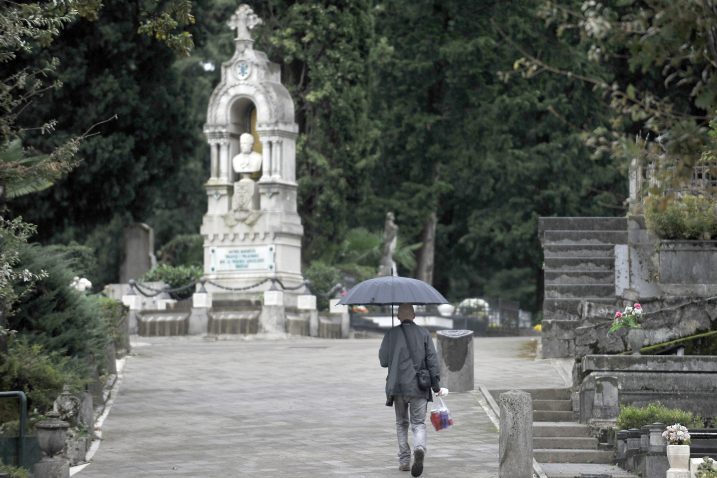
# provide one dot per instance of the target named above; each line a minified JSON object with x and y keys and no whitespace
{"x":678,"y":446}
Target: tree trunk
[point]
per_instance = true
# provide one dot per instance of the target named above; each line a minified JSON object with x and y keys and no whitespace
{"x":424,"y":267}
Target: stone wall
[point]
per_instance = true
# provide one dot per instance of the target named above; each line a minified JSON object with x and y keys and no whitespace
{"x":675,"y":281}
{"x":664,"y":320}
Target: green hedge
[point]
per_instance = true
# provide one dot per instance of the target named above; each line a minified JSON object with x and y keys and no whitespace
{"x":40,"y":374}
{"x":636,"y":417}
{"x":175,"y":277}
{"x":682,"y":218}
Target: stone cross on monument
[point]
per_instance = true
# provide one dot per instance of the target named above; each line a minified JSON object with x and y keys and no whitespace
{"x":243,"y":20}
{"x":252,"y":230}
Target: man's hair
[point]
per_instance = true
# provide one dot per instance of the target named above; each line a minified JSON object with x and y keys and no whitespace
{"x":406,"y":312}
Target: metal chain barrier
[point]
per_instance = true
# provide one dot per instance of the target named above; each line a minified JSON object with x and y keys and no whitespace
{"x":236,"y":289}
{"x":138,"y":286}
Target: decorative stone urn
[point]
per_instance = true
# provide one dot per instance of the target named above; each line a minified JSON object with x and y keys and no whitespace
{"x":679,"y":457}
{"x":51,"y":434}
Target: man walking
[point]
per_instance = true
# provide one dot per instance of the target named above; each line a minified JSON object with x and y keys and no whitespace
{"x":405,"y":350}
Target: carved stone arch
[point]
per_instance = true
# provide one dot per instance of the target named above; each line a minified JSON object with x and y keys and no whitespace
{"x":220,"y":109}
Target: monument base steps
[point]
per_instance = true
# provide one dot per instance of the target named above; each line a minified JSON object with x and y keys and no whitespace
{"x":562,"y":446}
{"x":329,"y":328}
{"x":162,"y":324}
{"x":296,"y":325}
{"x":233,"y":323}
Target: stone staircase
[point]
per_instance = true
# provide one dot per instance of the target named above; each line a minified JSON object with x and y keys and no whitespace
{"x":234,"y":317}
{"x":579,"y":265}
{"x":173,"y":320}
{"x":563,"y":447}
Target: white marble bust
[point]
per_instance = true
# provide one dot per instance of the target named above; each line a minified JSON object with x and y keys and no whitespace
{"x":247,"y":161}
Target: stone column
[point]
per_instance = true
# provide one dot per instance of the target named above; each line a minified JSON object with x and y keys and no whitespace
{"x":213,"y":159}
{"x":266,"y":159}
{"x":278,"y":159}
{"x":515,"y":446}
{"x":455,"y":356}
{"x":273,"y":316}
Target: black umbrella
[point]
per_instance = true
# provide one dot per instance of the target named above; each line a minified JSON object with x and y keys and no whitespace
{"x":389,"y":290}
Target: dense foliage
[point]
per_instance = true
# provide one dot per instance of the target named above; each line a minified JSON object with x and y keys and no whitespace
{"x":636,"y":417}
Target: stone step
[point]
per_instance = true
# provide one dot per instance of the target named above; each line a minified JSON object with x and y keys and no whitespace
{"x":553,"y":405}
{"x":578,"y":250}
{"x":555,"y":307}
{"x":578,"y":277}
{"x":549,"y":393}
{"x":576,"y":470}
{"x":582,"y":223}
{"x":557,"y":455}
{"x":551,"y":416}
{"x":560,"y":429}
{"x":592,"y":263}
{"x":540,"y":393}
{"x":162,"y":324}
{"x":565,"y":443}
{"x":585,"y":237}
{"x":233,"y":322}
{"x":579,"y":291}
{"x":587,"y":263}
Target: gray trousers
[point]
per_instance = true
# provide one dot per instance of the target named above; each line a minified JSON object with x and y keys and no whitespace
{"x":410,"y":410}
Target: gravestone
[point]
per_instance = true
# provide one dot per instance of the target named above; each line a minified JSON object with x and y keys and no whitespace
{"x":252,"y":231}
{"x":138,"y":252}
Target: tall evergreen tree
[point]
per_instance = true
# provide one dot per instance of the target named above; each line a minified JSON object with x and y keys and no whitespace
{"x":142,"y":162}
{"x":487,"y":150}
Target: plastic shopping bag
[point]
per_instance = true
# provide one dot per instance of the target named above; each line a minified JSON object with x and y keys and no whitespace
{"x":441,"y":417}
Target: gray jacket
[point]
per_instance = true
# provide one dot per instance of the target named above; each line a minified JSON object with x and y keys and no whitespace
{"x":394,"y":354}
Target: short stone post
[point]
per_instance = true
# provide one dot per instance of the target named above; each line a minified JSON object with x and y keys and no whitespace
{"x":633,"y":448}
{"x":134,"y":302}
{"x":516,"y":434}
{"x":273,"y":315}
{"x":455,"y":356}
{"x":307,"y":307}
{"x":341,"y":312}
{"x":86,"y":414}
{"x":621,"y":445}
{"x":199,"y":316}
{"x":51,"y":434}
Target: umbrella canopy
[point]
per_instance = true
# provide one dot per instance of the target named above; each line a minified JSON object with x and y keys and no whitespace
{"x":389,"y":290}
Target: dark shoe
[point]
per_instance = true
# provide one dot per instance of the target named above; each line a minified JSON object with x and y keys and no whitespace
{"x":404,"y":467}
{"x":417,"y":467}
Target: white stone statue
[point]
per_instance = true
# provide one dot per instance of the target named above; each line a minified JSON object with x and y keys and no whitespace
{"x":247,"y":162}
{"x":390,"y":237}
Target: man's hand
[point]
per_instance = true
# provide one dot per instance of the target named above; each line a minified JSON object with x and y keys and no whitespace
{"x":442,"y":392}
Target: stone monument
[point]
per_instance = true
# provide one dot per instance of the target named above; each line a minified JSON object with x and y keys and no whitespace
{"x":252,"y":230}
{"x":390,"y":238}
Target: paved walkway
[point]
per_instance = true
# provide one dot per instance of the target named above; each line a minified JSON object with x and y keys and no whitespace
{"x":300,"y":407}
